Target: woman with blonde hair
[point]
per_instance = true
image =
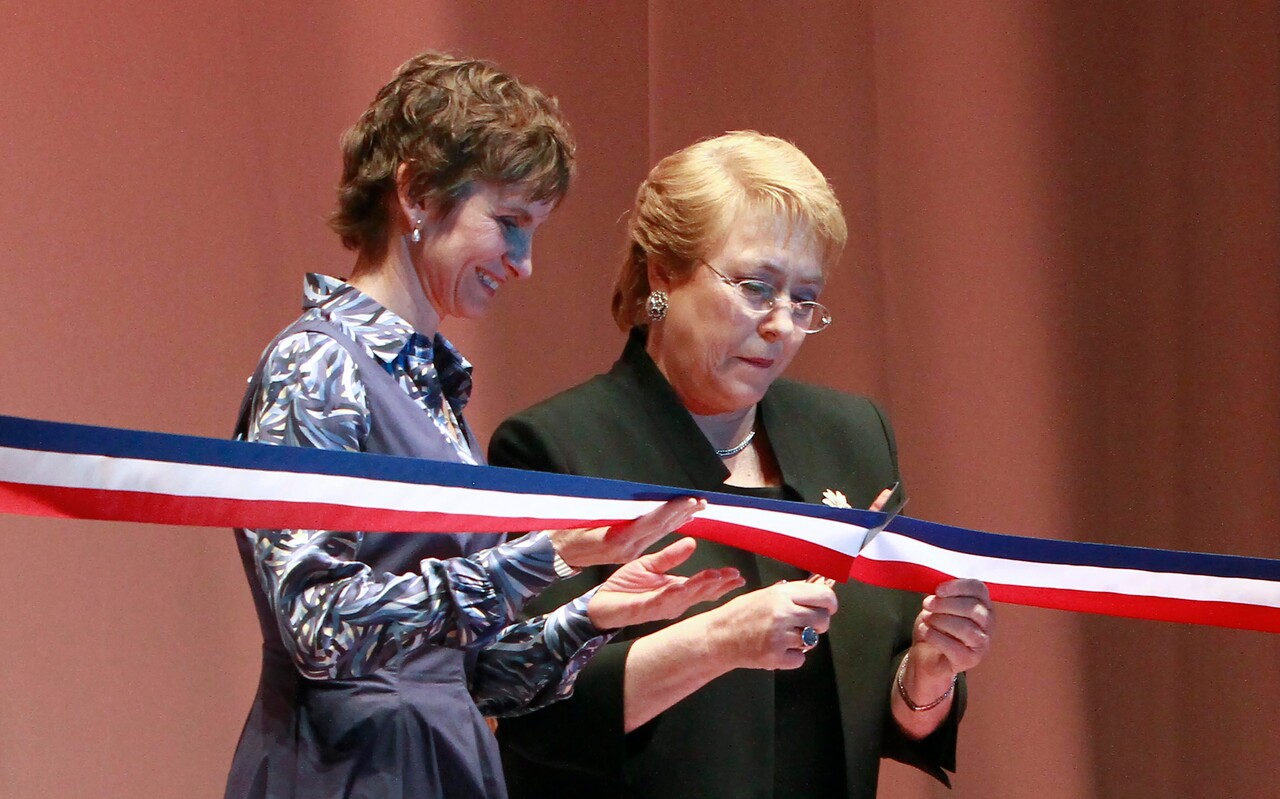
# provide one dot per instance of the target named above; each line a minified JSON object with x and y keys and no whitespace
{"x":793,"y":687}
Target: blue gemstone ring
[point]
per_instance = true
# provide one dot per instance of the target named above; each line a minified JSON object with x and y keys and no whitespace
{"x":809,"y":637}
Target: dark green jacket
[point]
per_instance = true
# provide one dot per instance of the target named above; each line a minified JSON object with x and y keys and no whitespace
{"x":629,"y":425}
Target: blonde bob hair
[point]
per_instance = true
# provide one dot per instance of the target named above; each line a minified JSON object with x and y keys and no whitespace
{"x":685,"y":206}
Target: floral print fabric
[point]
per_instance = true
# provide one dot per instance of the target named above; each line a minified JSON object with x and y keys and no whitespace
{"x":336,"y":616}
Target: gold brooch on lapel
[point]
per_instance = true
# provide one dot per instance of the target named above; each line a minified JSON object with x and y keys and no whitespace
{"x":835,"y":499}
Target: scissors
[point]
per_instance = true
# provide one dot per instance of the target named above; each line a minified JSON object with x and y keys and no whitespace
{"x":896,"y":501}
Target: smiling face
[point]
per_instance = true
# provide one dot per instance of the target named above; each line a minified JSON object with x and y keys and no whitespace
{"x":486,"y":240}
{"x":718,"y":354}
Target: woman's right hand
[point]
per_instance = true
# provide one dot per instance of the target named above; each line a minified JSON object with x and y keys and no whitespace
{"x":758,"y":630}
{"x":624,"y":542}
{"x":761,"y":629}
{"x":644,"y":590}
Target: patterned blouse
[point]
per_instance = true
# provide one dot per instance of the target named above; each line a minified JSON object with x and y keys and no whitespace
{"x":339,"y":619}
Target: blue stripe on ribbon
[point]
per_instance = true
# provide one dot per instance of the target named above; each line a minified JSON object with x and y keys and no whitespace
{"x":32,"y":434}
{"x":37,"y":435}
{"x":1076,"y":553}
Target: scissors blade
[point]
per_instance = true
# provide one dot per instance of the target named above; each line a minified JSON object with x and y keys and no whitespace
{"x":889,"y":514}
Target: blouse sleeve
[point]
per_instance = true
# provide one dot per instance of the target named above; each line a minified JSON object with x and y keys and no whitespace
{"x":534,"y":663}
{"x":336,"y":616}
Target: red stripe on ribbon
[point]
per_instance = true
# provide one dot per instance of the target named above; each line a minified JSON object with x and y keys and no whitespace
{"x":914,"y":577}
{"x":796,"y":551}
{"x":150,"y":508}
{"x":153,"y":508}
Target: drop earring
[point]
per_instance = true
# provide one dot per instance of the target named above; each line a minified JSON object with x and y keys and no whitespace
{"x":415,"y":235}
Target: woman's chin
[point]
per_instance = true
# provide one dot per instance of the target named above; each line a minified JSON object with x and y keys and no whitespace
{"x":734,"y":401}
{"x":474,"y":310}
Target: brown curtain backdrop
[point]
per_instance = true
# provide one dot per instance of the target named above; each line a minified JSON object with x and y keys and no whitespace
{"x":1063,"y":282}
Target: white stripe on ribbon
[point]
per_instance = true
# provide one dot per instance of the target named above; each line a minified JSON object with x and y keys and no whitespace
{"x":892,"y":547}
{"x":104,"y":473}
{"x":182,"y":487}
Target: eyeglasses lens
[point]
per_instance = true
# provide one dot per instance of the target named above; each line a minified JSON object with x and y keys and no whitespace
{"x":760,"y":296}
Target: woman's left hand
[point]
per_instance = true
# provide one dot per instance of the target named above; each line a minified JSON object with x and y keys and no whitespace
{"x":642,"y":590}
{"x":952,"y":634}
{"x":596,"y":546}
{"x":953,"y":631}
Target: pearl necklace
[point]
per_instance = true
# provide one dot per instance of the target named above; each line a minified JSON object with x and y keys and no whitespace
{"x":731,"y":451}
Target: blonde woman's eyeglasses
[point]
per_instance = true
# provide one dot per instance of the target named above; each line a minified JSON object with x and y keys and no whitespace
{"x":762,"y":297}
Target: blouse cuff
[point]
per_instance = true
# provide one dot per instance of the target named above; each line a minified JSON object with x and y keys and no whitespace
{"x":571,"y":635}
{"x":534,"y":555}
{"x":515,"y":571}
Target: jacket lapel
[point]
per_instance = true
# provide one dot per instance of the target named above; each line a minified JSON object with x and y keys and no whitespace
{"x":671,"y":428}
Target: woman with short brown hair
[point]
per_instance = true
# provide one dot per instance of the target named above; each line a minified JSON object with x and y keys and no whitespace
{"x":381,"y":651}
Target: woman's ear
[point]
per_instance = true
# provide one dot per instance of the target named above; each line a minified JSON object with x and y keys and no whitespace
{"x":658,"y":273}
{"x":412,"y":210}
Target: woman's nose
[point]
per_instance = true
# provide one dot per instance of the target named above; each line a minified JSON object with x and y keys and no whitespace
{"x":518,"y":265}
{"x":777,"y":321}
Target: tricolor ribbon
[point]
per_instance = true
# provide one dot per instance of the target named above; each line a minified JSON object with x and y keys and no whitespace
{"x":81,"y":472}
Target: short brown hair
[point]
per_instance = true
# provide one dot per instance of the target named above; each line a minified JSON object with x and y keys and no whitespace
{"x":684,"y":207}
{"x":452,"y":121}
